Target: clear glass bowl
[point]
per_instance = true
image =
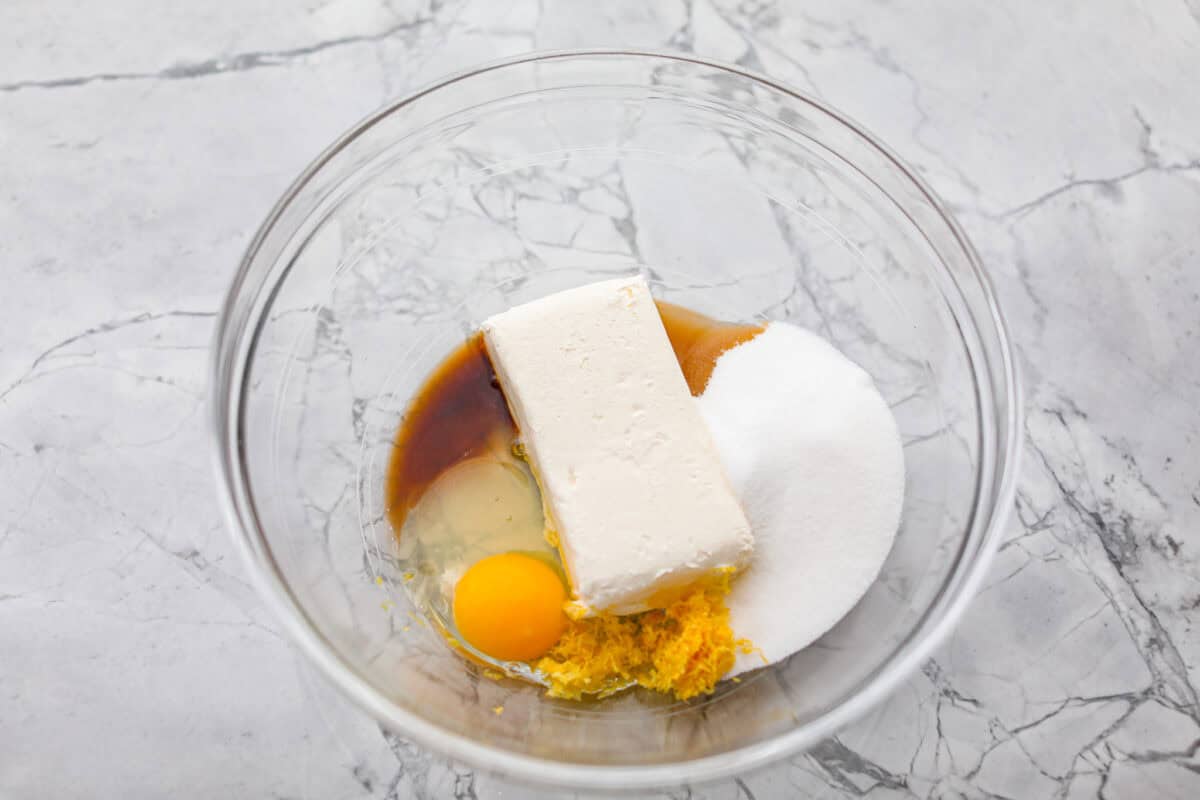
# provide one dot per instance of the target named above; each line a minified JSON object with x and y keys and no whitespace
{"x":734,"y":196}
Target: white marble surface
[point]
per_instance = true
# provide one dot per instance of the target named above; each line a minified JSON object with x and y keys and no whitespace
{"x":142,"y":142}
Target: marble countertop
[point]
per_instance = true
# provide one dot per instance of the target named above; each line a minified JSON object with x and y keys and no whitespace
{"x":140,"y":145}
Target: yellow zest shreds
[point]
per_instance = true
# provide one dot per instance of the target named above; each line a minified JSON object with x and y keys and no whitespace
{"x":746,"y":646}
{"x":682,"y":650}
{"x":596,"y":655}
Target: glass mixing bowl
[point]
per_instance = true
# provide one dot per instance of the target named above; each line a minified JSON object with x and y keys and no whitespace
{"x":734,"y":196}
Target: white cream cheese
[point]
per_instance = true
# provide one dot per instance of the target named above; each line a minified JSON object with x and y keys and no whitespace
{"x":629,"y":474}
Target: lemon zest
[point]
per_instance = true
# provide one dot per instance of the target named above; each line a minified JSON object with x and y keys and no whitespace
{"x":682,"y":649}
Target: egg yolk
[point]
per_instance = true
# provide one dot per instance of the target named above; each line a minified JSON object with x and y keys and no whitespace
{"x":510,"y":606}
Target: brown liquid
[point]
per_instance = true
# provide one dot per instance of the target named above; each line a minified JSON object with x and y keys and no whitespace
{"x":460,"y":412}
{"x":698,"y":341}
{"x":457,"y":413}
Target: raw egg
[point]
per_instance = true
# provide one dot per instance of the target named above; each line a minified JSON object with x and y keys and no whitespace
{"x":510,"y":606}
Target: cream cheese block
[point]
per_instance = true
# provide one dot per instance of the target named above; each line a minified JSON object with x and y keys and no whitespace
{"x":631,"y":481}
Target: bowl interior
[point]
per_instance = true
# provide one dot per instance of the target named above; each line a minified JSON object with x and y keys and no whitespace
{"x":732,"y":197}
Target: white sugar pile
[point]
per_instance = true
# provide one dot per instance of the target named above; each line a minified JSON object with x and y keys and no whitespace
{"x":814,"y":455}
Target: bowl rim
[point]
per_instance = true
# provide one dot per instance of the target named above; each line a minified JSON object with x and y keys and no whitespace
{"x":237,"y":503}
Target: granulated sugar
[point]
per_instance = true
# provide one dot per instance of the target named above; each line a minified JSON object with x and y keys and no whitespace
{"x":814,"y":455}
